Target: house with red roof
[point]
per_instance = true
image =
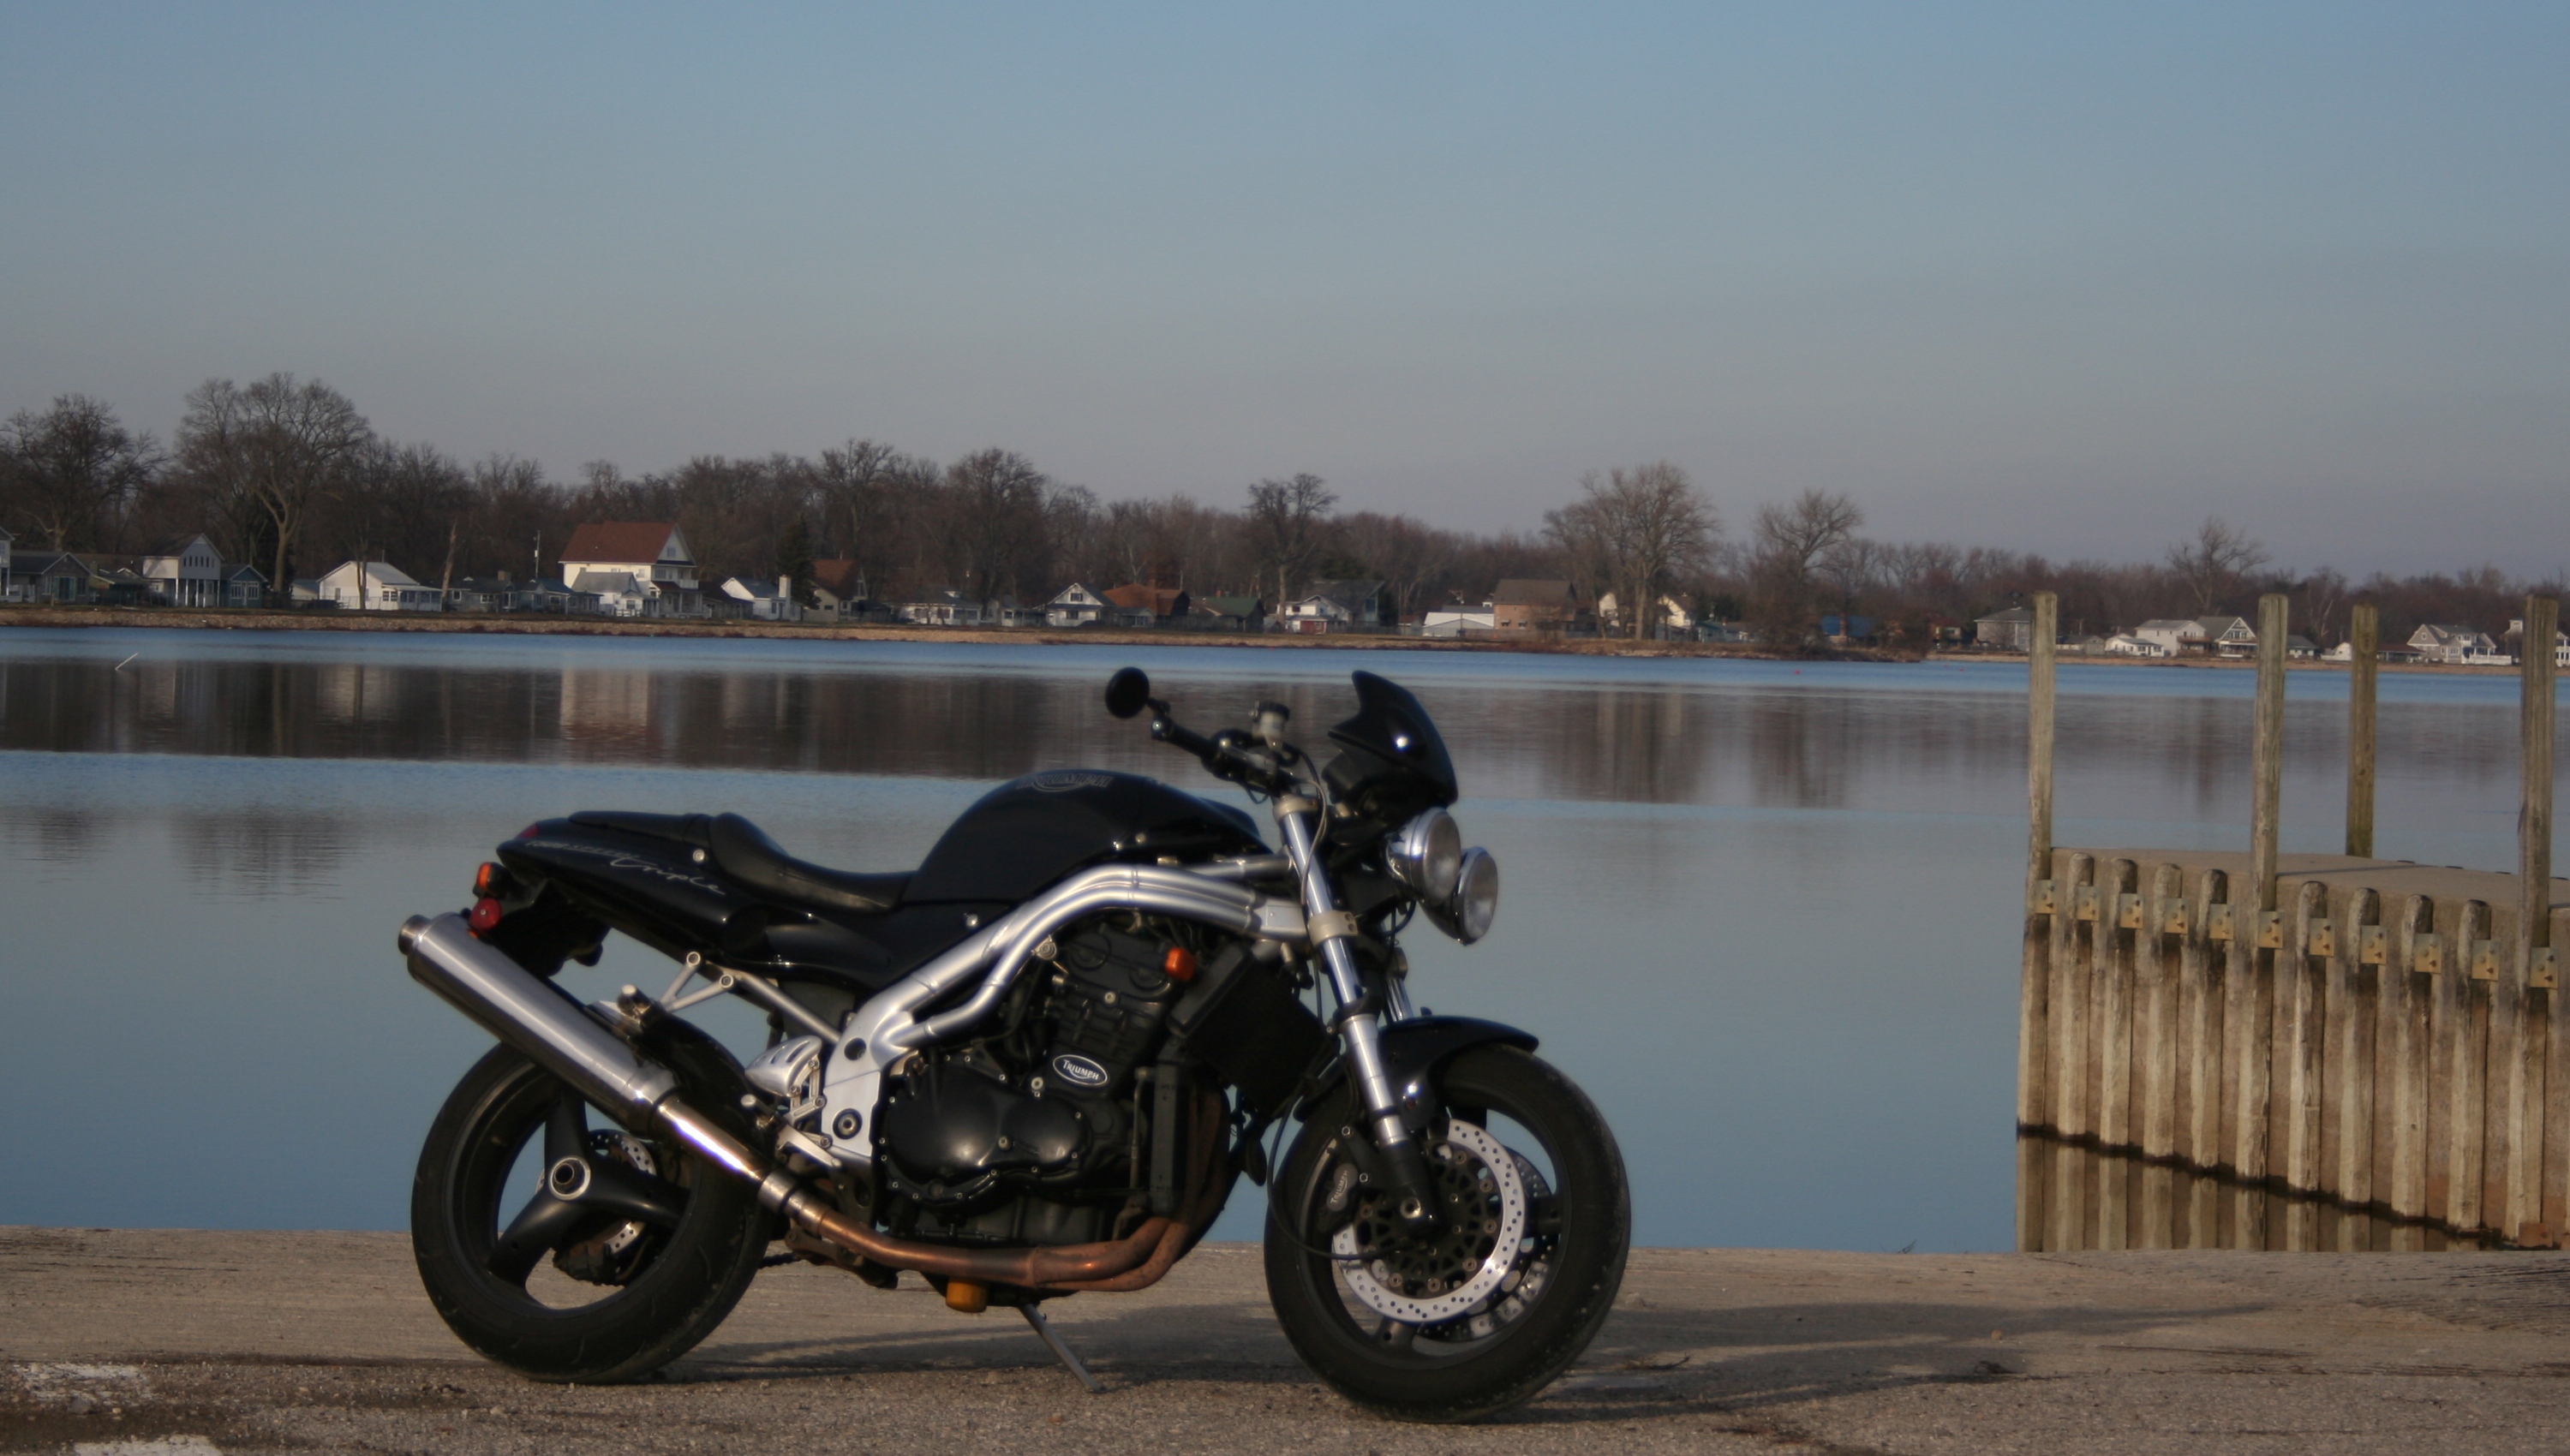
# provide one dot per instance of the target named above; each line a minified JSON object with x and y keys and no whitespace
{"x":635,"y":568}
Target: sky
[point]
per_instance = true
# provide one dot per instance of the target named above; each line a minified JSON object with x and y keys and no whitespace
{"x":2059,"y":278}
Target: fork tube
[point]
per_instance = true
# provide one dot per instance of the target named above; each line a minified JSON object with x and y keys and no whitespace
{"x":1362,"y":1030}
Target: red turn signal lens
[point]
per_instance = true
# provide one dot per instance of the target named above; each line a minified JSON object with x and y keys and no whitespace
{"x":530,"y":831}
{"x":486,"y":913}
{"x":1179,"y":964}
{"x":486,"y":879}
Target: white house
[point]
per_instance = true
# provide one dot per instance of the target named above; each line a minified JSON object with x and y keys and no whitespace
{"x":185,"y":573}
{"x":2132,"y":644}
{"x":2229,"y":637}
{"x":1671,"y":613}
{"x":376,"y":587}
{"x":650,"y":554}
{"x":767,"y":601}
{"x":2171,"y":634}
{"x":2011,"y":630}
{"x":2455,"y":642}
{"x":1075,"y":605}
{"x":942,"y":608}
{"x":839,"y":590}
{"x":1336,"y":606}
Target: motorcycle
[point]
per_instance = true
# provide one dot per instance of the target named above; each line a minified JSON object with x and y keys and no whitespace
{"x":1035,"y":1067}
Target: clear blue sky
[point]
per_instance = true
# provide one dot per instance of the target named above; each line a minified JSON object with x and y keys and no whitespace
{"x":2062,"y":277}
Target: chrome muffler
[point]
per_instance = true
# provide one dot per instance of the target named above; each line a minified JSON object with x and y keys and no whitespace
{"x":565,"y":1038}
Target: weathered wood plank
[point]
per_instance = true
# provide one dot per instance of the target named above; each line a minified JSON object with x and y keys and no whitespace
{"x":2408,"y":996}
{"x":2301,"y":1035}
{"x":2034,"y":1094}
{"x":2467,"y":1082}
{"x":2157,"y":958}
{"x":2364,"y":642}
{"x":2065,"y":1203}
{"x":2204,"y":1001}
{"x":2116,"y":945}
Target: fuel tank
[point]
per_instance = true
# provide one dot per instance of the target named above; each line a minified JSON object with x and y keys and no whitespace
{"x":1029,"y":832}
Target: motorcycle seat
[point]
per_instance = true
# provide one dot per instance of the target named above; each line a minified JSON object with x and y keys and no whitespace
{"x":744,"y":852}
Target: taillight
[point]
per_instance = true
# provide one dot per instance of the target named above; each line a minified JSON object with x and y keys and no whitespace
{"x":530,"y":831}
{"x":486,"y":881}
{"x":1179,"y":964}
{"x":486,"y":913}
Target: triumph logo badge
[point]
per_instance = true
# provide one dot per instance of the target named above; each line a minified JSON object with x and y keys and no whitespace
{"x":1079,"y":1071}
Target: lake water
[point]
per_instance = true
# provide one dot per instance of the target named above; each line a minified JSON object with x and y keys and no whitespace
{"x":1767,"y":915}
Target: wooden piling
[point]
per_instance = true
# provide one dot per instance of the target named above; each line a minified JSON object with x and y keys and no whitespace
{"x":2157,"y":959}
{"x":2117,"y":933}
{"x":2467,"y":1084}
{"x":2073,"y":949}
{"x":2408,"y":994}
{"x":2203,"y":1002}
{"x":2355,"y":1019}
{"x":2034,"y":1094}
{"x":2267,"y":753}
{"x":2526,"y":1092}
{"x":2363,"y":650}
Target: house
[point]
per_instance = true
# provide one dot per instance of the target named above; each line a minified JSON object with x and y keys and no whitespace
{"x":1337,"y":606}
{"x":651,"y":554}
{"x":1457,"y":621}
{"x":245,"y":586}
{"x":305,"y":592}
{"x":839,"y":590}
{"x":1847,"y":628}
{"x":764,"y":600}
{"x":2228,"y":636}
{"x":58,"y":578}
{"x":2134,"y":644}
{"x":2513,"y":638}
{"x":1137,"y":605}
{"x":1227,"y":614}
{"x":376,"y":587}
{"x":2173,"y":635}
{"x":1725,"y":632}
{"x":2011,"y":630}
{"x":944,"y":607}
{"x":502,"y":594}
{"x":1670,"y":616}
{"x":185,"y":572}
{"x":1075,"y":605}
{"x":2299,"y":647}
{"x":2454,"y":642}
{"x":1008,"y":612}
{"x":1533,"y":605}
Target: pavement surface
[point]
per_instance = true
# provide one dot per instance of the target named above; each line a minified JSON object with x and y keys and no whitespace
{"x":140,"y":1342}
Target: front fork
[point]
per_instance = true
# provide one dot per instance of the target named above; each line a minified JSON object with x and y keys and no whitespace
{"x":1358,"y":1021}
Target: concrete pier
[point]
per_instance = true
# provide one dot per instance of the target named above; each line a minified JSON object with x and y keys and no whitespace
{"x":190,"y":1341}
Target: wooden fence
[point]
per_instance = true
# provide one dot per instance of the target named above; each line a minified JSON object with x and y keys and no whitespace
{"x":2263,"y":1051}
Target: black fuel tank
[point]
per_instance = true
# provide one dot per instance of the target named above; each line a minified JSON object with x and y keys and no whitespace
{"x":1029,"y":832}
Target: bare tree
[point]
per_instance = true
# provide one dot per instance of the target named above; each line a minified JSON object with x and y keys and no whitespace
{"x":65,"y":471}
{"x":995,"y":522}
{"x":1410,"y":558}
{"x":1289,"y":521}
{"x":2212,"y":563}
{"x":267,"y":453}
{"x":1792,"y":542}
{"x":1637,"y":528}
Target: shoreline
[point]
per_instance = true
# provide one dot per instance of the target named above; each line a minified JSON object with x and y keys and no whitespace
{"x":524,"y":624}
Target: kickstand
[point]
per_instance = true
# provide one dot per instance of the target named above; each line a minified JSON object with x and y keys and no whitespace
{"x":1060,"y":1351}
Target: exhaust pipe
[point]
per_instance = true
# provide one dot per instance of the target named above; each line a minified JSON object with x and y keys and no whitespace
{"x":565,"y":1038}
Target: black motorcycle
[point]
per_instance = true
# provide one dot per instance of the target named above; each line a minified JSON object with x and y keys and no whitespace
{"x":1038,"y":1066}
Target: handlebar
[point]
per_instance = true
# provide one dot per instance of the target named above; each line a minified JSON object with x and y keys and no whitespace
{"x":1226,"y":755}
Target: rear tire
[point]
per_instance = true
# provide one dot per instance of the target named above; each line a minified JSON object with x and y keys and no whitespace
{"x":1445,"y":1373}
{"x":688,"y":1276}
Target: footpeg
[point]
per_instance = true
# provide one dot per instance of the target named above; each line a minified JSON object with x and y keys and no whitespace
{"x":1045,"y":1332}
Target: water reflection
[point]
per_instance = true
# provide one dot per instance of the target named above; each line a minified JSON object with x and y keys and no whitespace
{"x":1698,"y":733}
{"x":2074,"y":1195}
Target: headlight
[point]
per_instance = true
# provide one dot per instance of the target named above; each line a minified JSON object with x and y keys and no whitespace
{"x":1467,"y":915}
{"x":1426,"y":854}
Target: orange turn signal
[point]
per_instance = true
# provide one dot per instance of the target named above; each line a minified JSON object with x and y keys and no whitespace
{"x":1179,"y":964}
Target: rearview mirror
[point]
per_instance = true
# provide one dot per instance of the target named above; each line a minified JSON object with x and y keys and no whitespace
{"x":1128,"y":692}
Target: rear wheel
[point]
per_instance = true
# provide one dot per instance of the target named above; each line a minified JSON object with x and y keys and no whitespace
{"x":573,"y":1253}
{"x":1485,"y":1312}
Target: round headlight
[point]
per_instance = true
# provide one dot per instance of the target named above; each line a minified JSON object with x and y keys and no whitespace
{"x":1468,"y":916}
{"x":1426,"y":854}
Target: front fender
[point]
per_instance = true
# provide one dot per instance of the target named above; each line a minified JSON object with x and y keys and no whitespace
{"x":1414,"y":1049}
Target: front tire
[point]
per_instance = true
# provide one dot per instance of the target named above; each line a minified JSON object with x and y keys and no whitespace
{"x":665,"y":1285}
{"x":1475,"y":1363}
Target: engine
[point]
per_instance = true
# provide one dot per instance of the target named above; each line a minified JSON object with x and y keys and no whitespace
{"x":1041,"y":1133}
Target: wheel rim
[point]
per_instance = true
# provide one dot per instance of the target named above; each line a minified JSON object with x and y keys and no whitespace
{"x":1505,"y":1288}
{"x":554,"y":1215}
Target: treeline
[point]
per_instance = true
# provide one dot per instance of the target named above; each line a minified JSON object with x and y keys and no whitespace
{"x":288,"y":476}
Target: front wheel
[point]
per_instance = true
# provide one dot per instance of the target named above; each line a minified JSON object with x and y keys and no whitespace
{"x":1485,"y":1312}
{"x":578,"y":1254}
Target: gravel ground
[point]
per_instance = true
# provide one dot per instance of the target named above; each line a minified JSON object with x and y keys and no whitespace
{"x":144,"y":1341}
